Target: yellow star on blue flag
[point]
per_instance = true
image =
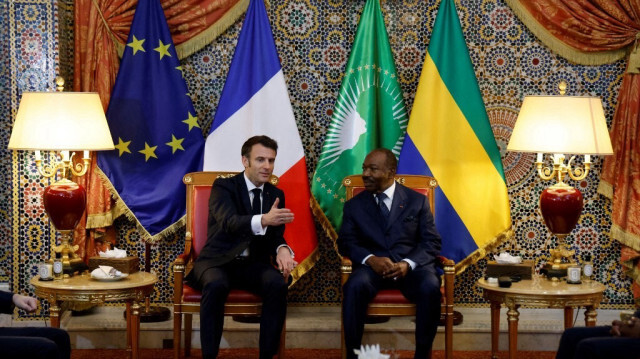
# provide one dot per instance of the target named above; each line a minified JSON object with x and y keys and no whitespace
{"x":148,"y":106}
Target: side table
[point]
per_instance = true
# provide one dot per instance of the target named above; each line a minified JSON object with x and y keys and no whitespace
{"x":82,"y":288}
{"x":539,"y":292}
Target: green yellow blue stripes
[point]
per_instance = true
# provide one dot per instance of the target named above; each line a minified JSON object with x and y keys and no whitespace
{"x":449,"y":137}
{"x":450,"y":55}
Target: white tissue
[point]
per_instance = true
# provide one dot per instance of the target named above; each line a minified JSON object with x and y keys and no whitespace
{"x":106,"y":272}
{"x":113,"y":253}
{"x":370,"y":352}
{"x":506,"y":258}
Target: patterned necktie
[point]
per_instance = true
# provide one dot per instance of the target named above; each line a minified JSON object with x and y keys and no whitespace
{"x":256,"y":207}
{"x":383,"y":207}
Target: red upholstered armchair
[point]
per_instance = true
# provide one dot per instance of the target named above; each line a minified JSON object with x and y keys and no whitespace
{"x":391,"y":302}
{"x":186,"y":300}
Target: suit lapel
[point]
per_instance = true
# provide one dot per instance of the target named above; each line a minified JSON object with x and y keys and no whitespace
{"x":267,"y":201}
{"x":398,"y":204}
{"x":373,"y":210}
{"x":241,"y":185}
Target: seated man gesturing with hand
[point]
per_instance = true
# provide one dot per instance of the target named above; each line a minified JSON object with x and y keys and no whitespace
{"x":245,"y":231}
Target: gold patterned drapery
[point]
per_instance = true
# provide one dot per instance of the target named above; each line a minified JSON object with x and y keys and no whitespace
{"x":593,"y":32}
{"x":101,"y":30}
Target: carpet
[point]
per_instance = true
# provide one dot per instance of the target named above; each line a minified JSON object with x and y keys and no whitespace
{"x":291,"y":354}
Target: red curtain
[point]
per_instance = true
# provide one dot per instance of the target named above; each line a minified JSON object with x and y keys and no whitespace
{"x":586,"y":29}
{"x":101,"y":30}
{"x":596,"y":25}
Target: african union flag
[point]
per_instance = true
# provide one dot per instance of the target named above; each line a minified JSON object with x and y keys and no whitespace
{"x":154,"y":127}
{"x":449,"y":137}
{"x":369,"y":113}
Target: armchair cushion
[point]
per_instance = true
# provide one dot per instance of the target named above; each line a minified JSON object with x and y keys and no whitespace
{"x":191,"y":295}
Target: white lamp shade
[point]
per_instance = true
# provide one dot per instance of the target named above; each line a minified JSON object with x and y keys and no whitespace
{"x":561,"y":124}
{"x":72,"y":121}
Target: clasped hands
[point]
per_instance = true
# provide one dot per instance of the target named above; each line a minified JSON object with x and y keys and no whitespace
{"x":276,"y":216}
{"x":630,"y":328}
{"x":387,"y":268}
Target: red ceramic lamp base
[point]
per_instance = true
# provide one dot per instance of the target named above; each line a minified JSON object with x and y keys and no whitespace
{"x":65,"y":202}
{"x":561,"y":206}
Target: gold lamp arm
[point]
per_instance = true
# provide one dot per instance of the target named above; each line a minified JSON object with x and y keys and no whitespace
{"x":546,"y":173}
{"x":65,"y":162}
{"x":48,"y":170}
{"x":80,"y":168}
{"x":560,"y":169}
{"x":579,"y":173}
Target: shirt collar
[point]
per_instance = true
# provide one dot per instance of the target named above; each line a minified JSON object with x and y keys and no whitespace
{"x":250,"y":184}
{"x":390,"y":191}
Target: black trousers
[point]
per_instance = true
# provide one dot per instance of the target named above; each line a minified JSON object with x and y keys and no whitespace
{"x":34,"y":343}
{"x":596,"y":343}
{"x":257,"y":277}
{"x":421,"y":287}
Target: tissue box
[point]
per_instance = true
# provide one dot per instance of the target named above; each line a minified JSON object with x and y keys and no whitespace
{"x":124,"y":265}
{"x":524,"y":269}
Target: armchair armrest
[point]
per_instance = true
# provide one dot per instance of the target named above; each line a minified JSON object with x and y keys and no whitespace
{"x":444,"y":261}
{"x":181,"y":259}
{"x":345,"y":269}
{"x":346,"y":264}
{"x":178,"y":276}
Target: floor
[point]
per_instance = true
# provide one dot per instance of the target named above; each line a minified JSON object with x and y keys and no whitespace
{"x":319,"y":327}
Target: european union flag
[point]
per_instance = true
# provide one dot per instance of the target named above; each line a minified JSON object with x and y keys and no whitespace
{"x":154,"y":126}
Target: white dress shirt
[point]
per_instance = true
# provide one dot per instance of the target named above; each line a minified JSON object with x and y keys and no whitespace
{"x":256,"y":220}
{"x":388,"y":201}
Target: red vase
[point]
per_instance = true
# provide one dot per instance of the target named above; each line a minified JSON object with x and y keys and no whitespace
{"x":64,"y":202}
{"x":561,"y":207}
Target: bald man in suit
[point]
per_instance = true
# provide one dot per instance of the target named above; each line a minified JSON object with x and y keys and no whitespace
{"x":389,"y":234}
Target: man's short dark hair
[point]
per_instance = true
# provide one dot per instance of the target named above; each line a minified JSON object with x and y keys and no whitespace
{"x":266,"y":141}
{"x":390,"y":159}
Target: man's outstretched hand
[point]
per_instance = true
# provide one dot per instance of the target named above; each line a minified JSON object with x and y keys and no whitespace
{"x":277,"y":216}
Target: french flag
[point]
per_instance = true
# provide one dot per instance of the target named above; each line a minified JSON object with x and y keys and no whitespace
{"x":255,"y":101}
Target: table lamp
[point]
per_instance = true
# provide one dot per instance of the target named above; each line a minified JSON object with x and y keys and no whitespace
{"x":64,"y":122}
{"x":561,"y":126}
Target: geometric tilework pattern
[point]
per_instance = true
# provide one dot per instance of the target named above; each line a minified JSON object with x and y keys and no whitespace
{"x":314,"y":38}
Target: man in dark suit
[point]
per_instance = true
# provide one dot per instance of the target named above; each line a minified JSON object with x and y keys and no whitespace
{"x":30,"y":342}
{"x":389,"y":234}
{"x":620,"y":340}
{"x":246,"y":228}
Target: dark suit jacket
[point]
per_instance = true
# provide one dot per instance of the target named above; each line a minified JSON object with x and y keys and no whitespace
{"x":6,"y":302}
{"x":229,"y":232}
{"x":410,"y":231}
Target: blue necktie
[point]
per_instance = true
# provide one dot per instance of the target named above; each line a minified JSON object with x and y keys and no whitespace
{"x":256,"y":207}
{"x":383,"y":207}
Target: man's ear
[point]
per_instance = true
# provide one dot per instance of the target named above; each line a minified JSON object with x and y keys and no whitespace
{"x":245,"y":161}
